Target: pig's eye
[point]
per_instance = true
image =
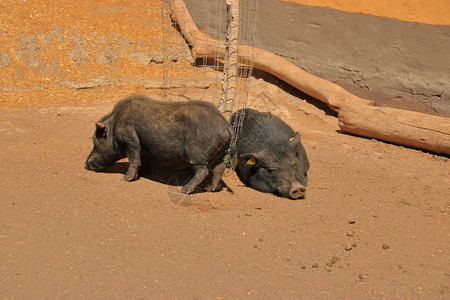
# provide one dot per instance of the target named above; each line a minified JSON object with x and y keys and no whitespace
{"x":272,"y":171}
{"x":100,"y":134}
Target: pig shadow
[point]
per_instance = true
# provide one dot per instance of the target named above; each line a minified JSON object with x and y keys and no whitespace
{"x":167,"y":176}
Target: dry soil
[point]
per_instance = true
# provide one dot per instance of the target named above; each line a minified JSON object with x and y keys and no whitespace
{"x":374,"y":224}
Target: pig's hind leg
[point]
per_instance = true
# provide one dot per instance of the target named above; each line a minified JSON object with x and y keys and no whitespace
{"x":201,"y":172}
{"x":217,"y":173}
{"x":133,"y":147}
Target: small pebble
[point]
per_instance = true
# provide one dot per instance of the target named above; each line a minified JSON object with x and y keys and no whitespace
{"x":261,"y":240}
{"x":362,"y":276}
{"x":385,"y":246}
{"x":401,"y":268}
{"x":350,"y":233}
{"x":441,"y":158}
{"x":354,"y":245}
{"x":351,"y":221}
{"x":315,"y":265}
{"x":335,"y":259}
{"x":348,"y":247}
{"x":303,"y":267}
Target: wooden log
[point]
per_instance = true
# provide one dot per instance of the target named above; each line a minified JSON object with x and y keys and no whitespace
{"x":398,"y":126}
{"x":204,"y":46}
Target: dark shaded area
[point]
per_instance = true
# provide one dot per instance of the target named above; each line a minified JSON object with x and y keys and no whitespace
{"x":289,"y":89}
{"x":165,"y":175}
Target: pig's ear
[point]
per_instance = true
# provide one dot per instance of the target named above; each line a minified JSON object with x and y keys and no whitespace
{"x":100,"y":130}
{"x":252,"y":159}
{"x":295,"y":140}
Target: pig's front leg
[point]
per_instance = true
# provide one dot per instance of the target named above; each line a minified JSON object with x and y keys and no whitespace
{"x":134,"y":158}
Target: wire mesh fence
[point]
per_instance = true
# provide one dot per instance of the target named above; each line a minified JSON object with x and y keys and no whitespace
{"x":199,"y":74}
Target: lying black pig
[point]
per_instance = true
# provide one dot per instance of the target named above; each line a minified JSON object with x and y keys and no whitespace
{"x":190,"y":134}
{"x":270,"y":155}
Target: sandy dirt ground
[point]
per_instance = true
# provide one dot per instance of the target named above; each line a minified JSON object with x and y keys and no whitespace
{"x":374,"y":224}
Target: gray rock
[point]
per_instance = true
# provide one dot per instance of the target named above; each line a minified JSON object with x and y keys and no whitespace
{"x":45,"y":37}
{"x":29,"y":49}
{"x":157,"y":57}
{"x":78,"y":53}
{"x":107,"y":57}
{"x":58,"y":34}
{"x":5,"y":60}
{"x":87,"y":84}
{"x":143,"y":58}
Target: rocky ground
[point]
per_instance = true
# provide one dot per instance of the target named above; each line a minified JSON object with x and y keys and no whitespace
{"x":374,"y":223}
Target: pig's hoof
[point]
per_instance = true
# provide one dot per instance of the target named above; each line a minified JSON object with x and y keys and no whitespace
{"x":216,"y":187}
{"x":211,"y":188}
{"x":130,"y":177}
{"x":187,"y":190}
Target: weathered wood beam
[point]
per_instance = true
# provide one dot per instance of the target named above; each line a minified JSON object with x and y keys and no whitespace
{"x":398,"y":126}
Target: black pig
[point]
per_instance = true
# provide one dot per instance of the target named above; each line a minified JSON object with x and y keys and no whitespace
{"x":270,"y":155}
{"x":190,"y":134}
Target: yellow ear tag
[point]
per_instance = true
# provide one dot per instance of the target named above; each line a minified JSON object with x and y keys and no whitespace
{"x":291,"y":139}
{"x":251,"y":161}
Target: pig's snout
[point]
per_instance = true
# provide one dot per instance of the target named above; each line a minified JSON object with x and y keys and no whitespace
{"x":297,"y":191}
{"x":91,"y":165}
{"x":87,"y":165}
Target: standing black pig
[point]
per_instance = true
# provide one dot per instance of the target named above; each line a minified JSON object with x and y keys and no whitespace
{"x":270,"y":155}
{"x":190,"y":134}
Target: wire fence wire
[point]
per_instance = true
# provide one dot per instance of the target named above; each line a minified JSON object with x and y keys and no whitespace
{"x":201,"y":77}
